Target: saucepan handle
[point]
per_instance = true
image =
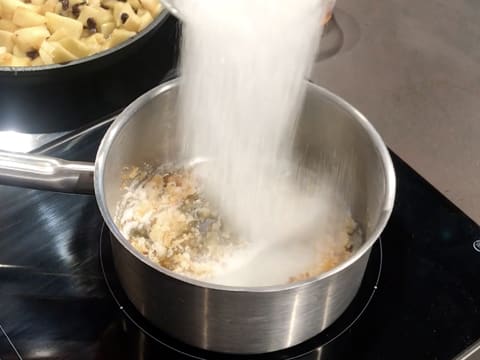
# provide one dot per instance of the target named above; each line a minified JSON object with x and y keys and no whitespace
{"x":46,"y":173}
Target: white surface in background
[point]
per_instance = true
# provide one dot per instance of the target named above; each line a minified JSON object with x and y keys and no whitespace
{"x":413,"y":68}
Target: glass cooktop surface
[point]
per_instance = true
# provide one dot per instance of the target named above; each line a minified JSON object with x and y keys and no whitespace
{"x":60,"y":297}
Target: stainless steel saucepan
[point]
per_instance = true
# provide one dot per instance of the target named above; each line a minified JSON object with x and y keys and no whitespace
{"x":332,"y":137}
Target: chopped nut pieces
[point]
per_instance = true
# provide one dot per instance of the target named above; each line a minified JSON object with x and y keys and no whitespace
{"x":166,"y":218}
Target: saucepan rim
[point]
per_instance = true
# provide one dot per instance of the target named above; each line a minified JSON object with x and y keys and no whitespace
{"x":386,"y":207}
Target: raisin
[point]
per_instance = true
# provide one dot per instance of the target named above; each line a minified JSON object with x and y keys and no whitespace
{"x":32,"y":54}
{"x":76,"y":9}
{"x":91,"y":25}
{"x":65,"y":4}
{"x":124,"y":18}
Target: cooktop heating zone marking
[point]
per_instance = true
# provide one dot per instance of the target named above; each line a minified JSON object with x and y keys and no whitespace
{"x":476,"y":245}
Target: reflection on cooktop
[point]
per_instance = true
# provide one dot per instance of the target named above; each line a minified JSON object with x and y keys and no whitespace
{"x":55,"y":302}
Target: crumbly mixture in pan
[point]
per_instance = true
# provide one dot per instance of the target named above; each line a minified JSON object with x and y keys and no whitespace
{"x":165,"y":217}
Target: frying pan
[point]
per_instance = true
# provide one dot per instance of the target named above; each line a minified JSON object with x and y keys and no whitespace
{"x":332,"y":137}
{"x":85,"y":64}
{"x":57,"y":97}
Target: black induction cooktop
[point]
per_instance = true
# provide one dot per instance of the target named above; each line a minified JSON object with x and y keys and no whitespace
{"x":60,"y":298}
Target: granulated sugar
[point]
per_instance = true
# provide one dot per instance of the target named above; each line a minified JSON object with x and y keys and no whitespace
{"x":243,"y":70}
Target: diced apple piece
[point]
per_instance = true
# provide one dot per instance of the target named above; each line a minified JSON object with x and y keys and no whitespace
{"x":7,"y":40}
{"x":135,"y":4}
{"x":107,"y":28}
{"x":38,"y":3}
{"x":153,"y":6}
{"x":8,"y":7}
{"x":106,"y":16}
{"x":20,"y":61}
{"x":6,"y":59}
{"x":132,"y":23}
{"x":35,"y":8}
{"x":96,"y":43}
{"x":159,"y":9}
{"x":118,"y":36}
{"x":109,"y":3}
{"x":72,"y":27}
{"x":37,"y":62}
{"x":58,"y":8}
{"x":58,"y":35}
{"x":121,"y":8}
{"x":49,"y":6}
{"x":75,"y":46}
{"x":26,"y":18}
{"x":97,"y":38}
{"x":17,"y":51}
{"x":61,"y":55}
{"x":99,"y":15}
{"x":145,"y":20}
{"x":92,"y":44}
{"x":100,"y":38}
{"x":44,"y":53}
{"x":7,"y":25}
{"x":31,"y":37}
{"x":53,"y":52}
{"x":85,"y":33}
{"x":3,"y":50}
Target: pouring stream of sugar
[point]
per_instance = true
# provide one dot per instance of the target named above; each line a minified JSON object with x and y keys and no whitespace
{"x":243,"y":67}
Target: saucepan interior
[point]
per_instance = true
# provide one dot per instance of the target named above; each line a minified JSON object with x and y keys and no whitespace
{"x":332,"y":137}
